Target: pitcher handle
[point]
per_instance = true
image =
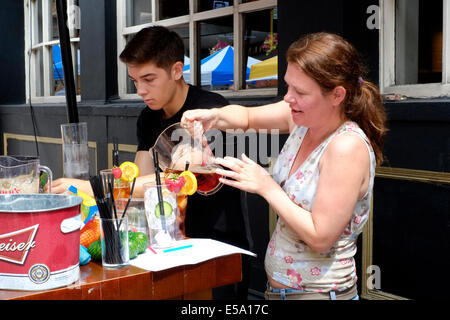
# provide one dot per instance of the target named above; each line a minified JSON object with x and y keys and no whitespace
{"x":50,"y":176}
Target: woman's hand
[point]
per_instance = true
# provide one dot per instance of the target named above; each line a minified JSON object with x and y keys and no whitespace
{"x":207,"y":117}
{"x":246,"y":175}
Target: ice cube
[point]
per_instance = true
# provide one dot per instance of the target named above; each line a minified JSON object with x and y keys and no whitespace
{"x":163,"y":239}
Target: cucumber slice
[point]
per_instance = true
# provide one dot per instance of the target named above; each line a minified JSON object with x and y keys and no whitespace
{"x":167,"y":210}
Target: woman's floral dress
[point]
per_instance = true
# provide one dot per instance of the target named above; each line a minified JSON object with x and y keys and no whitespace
{"x":288,"y":259}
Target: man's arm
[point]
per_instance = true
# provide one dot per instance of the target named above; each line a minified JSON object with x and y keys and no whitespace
{"x":144,"y":161}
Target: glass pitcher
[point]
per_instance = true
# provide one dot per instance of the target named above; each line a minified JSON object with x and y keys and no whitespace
{"x":21,"y":174}
{"x":186,"y":148}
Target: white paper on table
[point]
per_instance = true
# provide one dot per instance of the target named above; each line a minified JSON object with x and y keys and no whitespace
{"x":201,"y":250}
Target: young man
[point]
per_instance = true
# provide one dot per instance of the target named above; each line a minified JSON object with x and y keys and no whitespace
{"x":154,"y":59}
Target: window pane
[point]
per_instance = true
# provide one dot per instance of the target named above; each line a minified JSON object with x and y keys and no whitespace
{"x":74,"y":18}
{"x":38,"y":7}
{"x":204,"y":5}
{"x":57,"y":87}
{"x":77,"y":67}
{"x":418,"y":47}
{"x":54,"y":33}
{"x":183,"y":32}
{"x":261,"y":48}
{"x":38,"y":70}
{"x":172,"y":8}
{"x":138,"y":12}
{"x":130,"y":85}
{"x":57,"y":74}
{"x":217,"y":53}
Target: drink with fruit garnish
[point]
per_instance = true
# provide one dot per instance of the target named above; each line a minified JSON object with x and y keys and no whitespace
{"x":207,"y":179}
{"x":121,"y":189}
{"x":122,"y":183}
{"x":161,"y":234}
{"x":120,"y":179}
{"x":183,"y":184}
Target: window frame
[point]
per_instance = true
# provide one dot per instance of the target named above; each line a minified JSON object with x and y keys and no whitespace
{"x":387,"y":57}
{"x":237,"y":10}
{"x":32,"y":45}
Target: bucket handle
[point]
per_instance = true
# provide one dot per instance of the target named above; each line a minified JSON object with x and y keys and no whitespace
{"x":71,"y":224}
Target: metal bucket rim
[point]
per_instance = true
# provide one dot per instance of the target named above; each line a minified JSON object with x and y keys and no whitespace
{"x":72,"y":201}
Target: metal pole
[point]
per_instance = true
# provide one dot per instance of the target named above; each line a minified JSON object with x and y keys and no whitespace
{"x":66,"y":55}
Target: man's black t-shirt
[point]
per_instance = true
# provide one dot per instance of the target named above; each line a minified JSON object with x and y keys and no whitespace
{"x":218,"y":216}
{"x":150,"y":123}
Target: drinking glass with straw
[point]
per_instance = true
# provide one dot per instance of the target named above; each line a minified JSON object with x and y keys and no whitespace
{"x":114,"y":229}
{"x":158,"y":186}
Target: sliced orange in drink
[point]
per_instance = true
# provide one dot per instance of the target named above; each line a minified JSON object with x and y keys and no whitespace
{"x":129,"y":171}
{"x":182,"y":202}
{"x":190,"y":186}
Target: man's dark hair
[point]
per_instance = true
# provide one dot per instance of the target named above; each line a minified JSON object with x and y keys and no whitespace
{"x":155,"y":44}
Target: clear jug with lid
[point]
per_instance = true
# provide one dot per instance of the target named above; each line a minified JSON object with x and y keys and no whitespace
{"x":21,"y":174}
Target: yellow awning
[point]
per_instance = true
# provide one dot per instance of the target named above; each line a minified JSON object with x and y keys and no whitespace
{"x":264,"y":69}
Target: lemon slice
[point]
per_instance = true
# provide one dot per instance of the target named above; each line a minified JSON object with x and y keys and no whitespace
{"x":190,"y":185}
{"x":129,"y":171}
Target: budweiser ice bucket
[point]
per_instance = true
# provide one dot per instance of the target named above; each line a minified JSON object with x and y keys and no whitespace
{"x":39,"y":241}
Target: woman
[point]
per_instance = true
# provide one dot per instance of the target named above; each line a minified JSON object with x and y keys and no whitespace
{"x":323,"y":179}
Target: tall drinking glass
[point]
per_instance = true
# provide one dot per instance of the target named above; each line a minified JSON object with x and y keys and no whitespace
{"x":161,"y":216}
{"x":75,"y":150}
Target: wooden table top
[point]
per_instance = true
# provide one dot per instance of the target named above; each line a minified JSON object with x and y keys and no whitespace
{"x":132,"y":283}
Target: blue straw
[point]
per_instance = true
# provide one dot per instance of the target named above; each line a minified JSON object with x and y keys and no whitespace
{"x":178,"y":248}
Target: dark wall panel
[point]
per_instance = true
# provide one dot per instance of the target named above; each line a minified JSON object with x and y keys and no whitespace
{"x":419,"y":135}
{"x":12,"y":52}
{"x":98,"y":45}
{"x":411,"y":238}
